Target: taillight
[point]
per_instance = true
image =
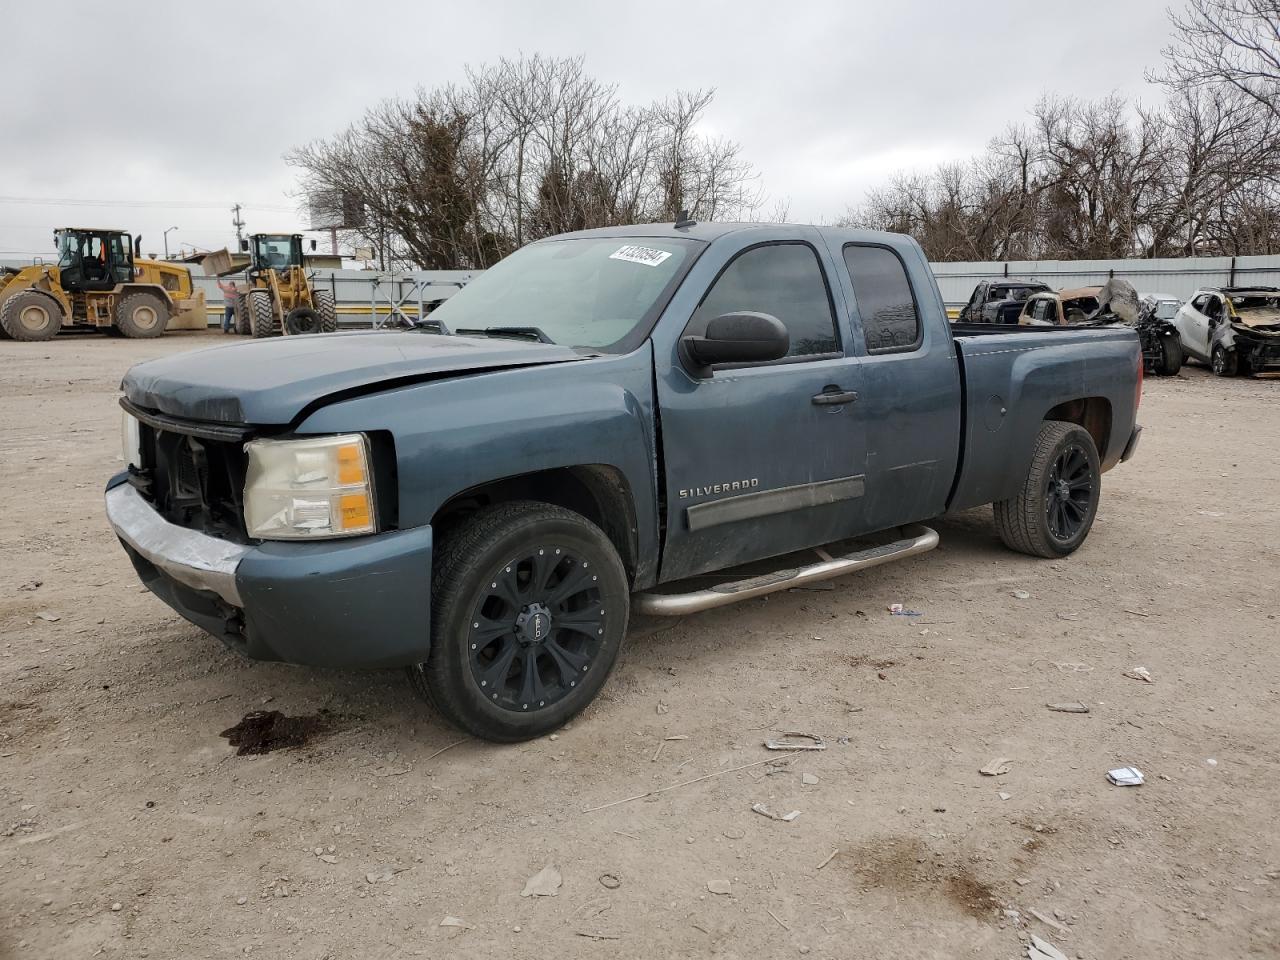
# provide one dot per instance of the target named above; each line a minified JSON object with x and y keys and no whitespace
{"x":1137,"y":399}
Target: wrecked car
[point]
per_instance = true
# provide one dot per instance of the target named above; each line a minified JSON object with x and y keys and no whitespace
{"x":998,"y":301}
{"x":1236,"y":330}
{"x":1161,"y":344}
{"x":1060,"y":308}
{"x":660,"y":419}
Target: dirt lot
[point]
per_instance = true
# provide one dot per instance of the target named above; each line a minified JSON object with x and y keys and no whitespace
{"x":130,"y":828}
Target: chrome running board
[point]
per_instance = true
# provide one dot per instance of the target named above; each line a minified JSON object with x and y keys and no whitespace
{"x":913,"y":539}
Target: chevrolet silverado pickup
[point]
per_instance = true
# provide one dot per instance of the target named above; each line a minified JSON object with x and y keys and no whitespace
{"x":660,"y":419}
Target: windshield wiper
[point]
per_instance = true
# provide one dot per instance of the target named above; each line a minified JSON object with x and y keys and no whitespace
{"x":524,"y":333}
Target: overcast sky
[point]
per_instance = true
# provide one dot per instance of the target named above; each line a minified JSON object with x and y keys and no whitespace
{"x":175,"y":116}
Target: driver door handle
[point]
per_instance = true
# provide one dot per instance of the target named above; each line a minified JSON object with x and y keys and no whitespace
{"x":832,"y":396}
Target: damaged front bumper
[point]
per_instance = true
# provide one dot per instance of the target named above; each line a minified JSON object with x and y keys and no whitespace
{"x":363,"y":602}
{"x":1257,"y":353}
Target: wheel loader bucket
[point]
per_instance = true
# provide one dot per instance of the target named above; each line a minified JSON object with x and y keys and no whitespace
{"x":189,"y":314}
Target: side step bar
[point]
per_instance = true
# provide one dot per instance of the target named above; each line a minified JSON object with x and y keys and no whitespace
{"x":915,"y":538}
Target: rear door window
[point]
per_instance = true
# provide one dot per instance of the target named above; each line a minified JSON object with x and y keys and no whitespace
{"x":886,"y":302}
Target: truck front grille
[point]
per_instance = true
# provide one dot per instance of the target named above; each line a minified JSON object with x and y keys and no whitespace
{"x":193,"y":481}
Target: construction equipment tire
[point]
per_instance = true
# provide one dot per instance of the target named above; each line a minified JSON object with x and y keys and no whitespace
{"x":31,"y":315}
{"x":242,"y":316}
{"x":327,"y":310}
{"x":262,"y":318}
{"x":141,"y":316}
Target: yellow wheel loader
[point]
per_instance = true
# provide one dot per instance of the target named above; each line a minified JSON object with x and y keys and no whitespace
{"x":279,"y":297}
{"x":98,"y":282}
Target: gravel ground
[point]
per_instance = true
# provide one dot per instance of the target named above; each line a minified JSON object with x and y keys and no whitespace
{"x":130,"y":828}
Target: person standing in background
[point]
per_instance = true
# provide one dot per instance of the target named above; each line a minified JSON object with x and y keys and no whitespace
{"x":229,"y":295}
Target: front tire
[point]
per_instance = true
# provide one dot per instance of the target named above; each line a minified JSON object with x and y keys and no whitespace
{"x":1052,"y":514}
{"x":261,"y":317}
{"x":326,"y":309}
{"x":30,"y":316}
{"x":1224,"y":362}
{"x":141,"y":316}
{"x":1171,"y":356}
{"x":243,"y":326}
{"x":530,"y":607}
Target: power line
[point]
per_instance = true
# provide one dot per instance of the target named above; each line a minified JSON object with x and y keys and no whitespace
{"x":154,"y":204}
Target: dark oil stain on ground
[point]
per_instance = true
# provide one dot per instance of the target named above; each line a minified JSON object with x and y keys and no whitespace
{"x":263,"y":731}
{"x":906,"y":865}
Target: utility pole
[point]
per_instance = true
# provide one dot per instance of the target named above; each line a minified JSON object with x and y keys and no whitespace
{"x":237,"y":223}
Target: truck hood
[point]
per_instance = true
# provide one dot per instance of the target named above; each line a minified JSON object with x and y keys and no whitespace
{"x":271,"y":381}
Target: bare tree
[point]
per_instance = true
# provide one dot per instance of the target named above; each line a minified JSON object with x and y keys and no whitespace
{"x":1233,"y":43}
{"x":463,"y":175}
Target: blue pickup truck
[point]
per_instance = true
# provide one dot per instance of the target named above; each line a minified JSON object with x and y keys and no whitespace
{"x":584,"y":430}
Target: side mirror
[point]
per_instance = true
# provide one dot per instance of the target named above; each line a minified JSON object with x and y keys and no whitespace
{"x":313,"y":245}
{"x":739,"y":338}
{"x":244,"y":246}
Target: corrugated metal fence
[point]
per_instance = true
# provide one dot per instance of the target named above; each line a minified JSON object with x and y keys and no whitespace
{"x":358,"y":293}
{"x":1177,"y":277}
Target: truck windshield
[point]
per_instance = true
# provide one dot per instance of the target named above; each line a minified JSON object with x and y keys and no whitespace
{"x":586,"y":292}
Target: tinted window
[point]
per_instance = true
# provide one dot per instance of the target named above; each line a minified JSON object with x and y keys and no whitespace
{"x":885,"y":301}
{"x":781,"y":279}
{"x":1199,"y":302}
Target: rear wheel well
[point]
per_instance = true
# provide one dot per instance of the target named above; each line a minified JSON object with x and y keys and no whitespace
{"x":598,"y":492}
{"x":1092,"y":413}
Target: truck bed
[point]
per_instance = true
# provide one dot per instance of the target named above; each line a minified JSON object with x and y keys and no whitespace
{"x":1014,"y":378}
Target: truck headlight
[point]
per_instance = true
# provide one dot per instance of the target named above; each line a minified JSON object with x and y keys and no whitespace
{"x":309,"y":489}
{"x":130,"y":440}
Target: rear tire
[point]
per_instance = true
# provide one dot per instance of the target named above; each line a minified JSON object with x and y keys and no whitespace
{"x":327,"y":310}
{"x":31,"y":315}
{"x":529,"y":610}
{"x":242,"y":316}
{"x":262,"y":318}
{"x":1052,"y":514}
{"x":1225,"y":363}
{"x":141,"y":316}
{"x":1171,"y":356}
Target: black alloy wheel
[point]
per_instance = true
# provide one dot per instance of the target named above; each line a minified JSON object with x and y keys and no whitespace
{"x":537,"y":629}
{"x":1052,"y":512}
{"x":529,"y":609}
{"x":1069,"y":494}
